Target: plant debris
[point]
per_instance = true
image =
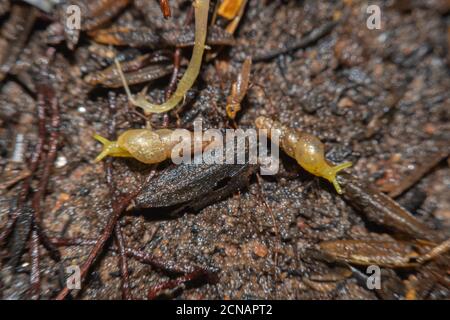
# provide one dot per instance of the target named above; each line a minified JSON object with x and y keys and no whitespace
{"x":377,"y":98}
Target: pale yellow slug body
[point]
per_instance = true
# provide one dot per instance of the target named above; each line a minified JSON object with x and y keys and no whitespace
{"x":146,"y":145}
{"x":307,"y":149}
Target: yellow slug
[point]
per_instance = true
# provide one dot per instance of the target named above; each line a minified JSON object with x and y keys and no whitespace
{"x":147,"y":146}
{"x":307,"y":149}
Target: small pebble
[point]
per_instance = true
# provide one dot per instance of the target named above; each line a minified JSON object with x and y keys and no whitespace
{"x":231,"y":250}
{"x":60,"y":162}
{"x":345,"y":103}
{"x":259,"y":249}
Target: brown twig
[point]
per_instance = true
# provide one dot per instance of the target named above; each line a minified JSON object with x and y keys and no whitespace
{"x":425,"y":164}
{"x":123,"y":263}
{"x":117,"y":209}
{"x":104,"y":237}
{"x":189,"y":274}
{"x":17,"y":29}
{"x":25,"y":173}
{"x":301,"y":43}
{"x":34,"y":163}
{"x":46,"y":99}
{"x":435,"y":252}
{"x":196,"y":275}
{"x":173,"y":81}
{"x":176,"y":70}
{"x":35,"y":277}
{"x":47,"y":95}
{"x":168,"y":267}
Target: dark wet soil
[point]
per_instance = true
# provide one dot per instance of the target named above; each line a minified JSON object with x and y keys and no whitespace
{"x":378,"y":98}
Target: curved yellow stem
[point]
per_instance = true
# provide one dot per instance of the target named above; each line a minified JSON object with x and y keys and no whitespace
{"x":193,"y":69}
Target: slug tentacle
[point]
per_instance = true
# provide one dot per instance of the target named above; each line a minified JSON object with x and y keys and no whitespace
{"x":331,"y":175}
{"x":110,"y":148}
{"x":307,"y":149}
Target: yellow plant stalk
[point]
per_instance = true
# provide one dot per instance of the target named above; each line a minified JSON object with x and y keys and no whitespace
{"x":193,"y":69}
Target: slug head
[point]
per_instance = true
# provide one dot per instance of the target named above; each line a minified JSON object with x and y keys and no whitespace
{"x":309,"y":153}
{"x":110,"y":148}
{"x":331,"y":171}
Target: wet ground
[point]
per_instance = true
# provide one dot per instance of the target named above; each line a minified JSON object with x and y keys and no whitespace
{"x":378,"y":98}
